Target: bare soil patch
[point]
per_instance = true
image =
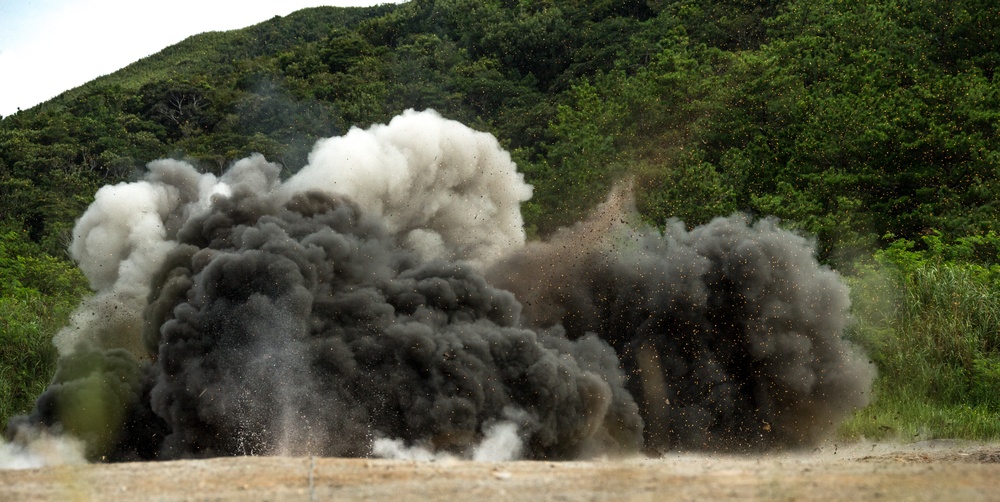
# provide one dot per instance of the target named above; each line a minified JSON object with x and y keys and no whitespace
{"x":939,"y":470}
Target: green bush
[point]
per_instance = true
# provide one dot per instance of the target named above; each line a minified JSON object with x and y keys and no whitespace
{"x":38,"y":294}
{"x":928,"y":314}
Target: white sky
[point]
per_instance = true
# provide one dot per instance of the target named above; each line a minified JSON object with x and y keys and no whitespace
{"x":51,"y":46}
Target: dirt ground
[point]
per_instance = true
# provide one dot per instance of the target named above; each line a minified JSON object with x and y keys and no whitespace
{"x":936,"y":470}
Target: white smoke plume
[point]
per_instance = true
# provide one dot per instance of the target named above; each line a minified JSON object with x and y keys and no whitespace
{"x":121,"y":241}
{"x":43,"y":450}
{"x":448,"y":191}
{"x":501,"y":442}
{"x":396,"y":449}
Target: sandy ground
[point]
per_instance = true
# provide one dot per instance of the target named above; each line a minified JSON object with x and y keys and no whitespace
{"x":938,"y":470}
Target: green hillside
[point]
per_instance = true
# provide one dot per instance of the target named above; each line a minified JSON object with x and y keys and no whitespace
{"x":872,"y":126}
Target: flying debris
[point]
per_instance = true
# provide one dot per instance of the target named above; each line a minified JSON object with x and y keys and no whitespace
{"x":384,"y":299}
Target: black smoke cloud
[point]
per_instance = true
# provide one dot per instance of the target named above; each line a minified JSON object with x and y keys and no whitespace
{"x":386,"y":291}
{"x":729,"y":334}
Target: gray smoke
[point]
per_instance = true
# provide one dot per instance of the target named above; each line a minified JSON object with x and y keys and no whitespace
{"x":383,"y":300}
{"x":729,"y":334}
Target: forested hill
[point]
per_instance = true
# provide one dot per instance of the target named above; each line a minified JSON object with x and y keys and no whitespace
{"x":857,"y":122}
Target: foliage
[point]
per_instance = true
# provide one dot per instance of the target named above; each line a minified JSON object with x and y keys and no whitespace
{"x":847,"y":120}
{"x":930,"y":320}
{"x":871,"y":126}
{"x":39,"y":292}
{"x":847,"y":123}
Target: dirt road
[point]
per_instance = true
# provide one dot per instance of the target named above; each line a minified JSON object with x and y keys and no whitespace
{"x":940,"y":470}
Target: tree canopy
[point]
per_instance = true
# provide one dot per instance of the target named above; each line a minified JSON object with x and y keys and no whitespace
{"x":849,"y":121}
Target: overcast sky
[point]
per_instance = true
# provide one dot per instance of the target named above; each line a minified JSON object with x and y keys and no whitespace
{"x":50,"y":46}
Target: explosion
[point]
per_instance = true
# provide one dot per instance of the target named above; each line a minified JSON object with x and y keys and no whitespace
{"x":384,"y":299}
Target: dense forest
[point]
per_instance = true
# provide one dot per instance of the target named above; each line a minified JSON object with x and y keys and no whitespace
{"x":872,"y":127}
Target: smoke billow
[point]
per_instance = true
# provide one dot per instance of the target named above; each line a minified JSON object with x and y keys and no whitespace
{"x":729,"y":333}
{"x":383,"y":301}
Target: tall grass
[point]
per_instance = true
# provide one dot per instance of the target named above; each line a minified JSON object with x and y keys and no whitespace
{"x":27,"y":356}
{"x":37,"y":294}
{"x":932,"y":326}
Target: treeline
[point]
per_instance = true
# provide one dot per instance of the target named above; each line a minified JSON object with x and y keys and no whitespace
{"x":848,"y":121}
{"x":866,"y":124}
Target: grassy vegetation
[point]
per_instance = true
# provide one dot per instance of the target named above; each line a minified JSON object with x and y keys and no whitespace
{"x":26,"y":330}
{"x":40,"y":292}
{"x":930,"y":320}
